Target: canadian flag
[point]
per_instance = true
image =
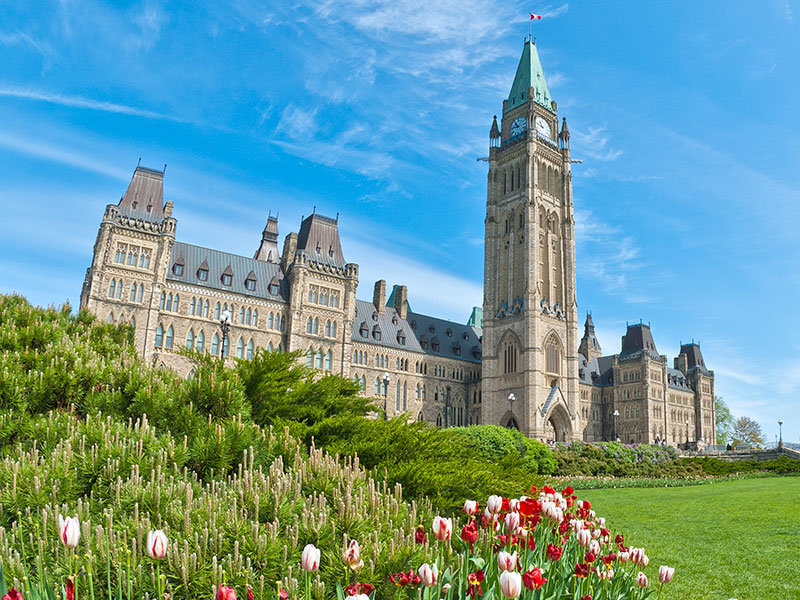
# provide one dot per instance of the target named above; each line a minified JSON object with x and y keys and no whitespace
{"x":533,"y":16}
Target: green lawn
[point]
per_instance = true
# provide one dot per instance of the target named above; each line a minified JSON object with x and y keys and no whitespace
{"x":737,"y":539}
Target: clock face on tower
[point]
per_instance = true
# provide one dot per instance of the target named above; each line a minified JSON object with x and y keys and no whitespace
{"x":518,"y":126}
{"x":542,"y":128}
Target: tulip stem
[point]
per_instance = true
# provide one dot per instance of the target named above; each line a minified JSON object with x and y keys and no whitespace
{"x":158,"y":580}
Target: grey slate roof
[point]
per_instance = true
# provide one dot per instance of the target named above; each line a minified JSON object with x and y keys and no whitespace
{"x":638,"y":339}
{"x":319,"y":239}
{"x":596,"y":371}
{"x":219,"y":262}
{"x":695,"y":357}
{"x":415,"y":327}
{"x":677,"y":380}
{"x":144,"y":198}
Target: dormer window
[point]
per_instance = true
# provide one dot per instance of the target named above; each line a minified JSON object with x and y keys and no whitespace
{"x":401,"y":338}
{"x":250,"y":282}
{"x":394,"y":320}
{"x":227,"y":276}
{"x":465,"y":336}
{"x":423,"y":342}
{"x":202,"y":274}
{"x":374,"y":316}
{"x":363,"y":330}
{"x":449,"y":333}
{"x":413,"y":325}
{"x":274,"y":288}
{"x":435,"y":344}
{"x":177,"y":269}
{"x":376,"y":333}
{"x":432,"y":329}
{"x":457,"y":349}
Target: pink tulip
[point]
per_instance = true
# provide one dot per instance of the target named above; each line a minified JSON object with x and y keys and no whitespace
{"x":225,"y":592}
{"x":309,"y":560}
{"x":470,"y":507}
{"x":429,"y":575}
{"x":641,"y":579}
{"x":494,"y":504}
{"x":157,"y":544}
{"x":506,"y":561}
{"x":510,"y":584}
{"x":69,"y":530}
{"x":584,"y":537}
{"x":665,"y":574}
{"x":442,"y":529}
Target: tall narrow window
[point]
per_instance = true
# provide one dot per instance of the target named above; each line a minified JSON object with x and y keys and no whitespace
{"x":333,"y":329}
{"x":216,"y":311}
{"x":248,"y":316}
{"x":132,"y":296}
{"x":205,"y":309}
{"x":112,"y":287}
{"x":169,"y":303}
{"x":240,"y":348}
{"x":377,"y":386}
{"x":215,"y":344}
{"x":316,"y":325}
{"x":190,"y":339}
{"x":328,"y":360}
{"x":250,"y":350}
{"x":159,"y":336}
{"x":327,"y":329}
{"x":141,"y":293}
{"x":168,"y":337}
{"x":193,"y":306}
{"x":201,"y":340}
{"x":119,"y":289}
{"x":241,"y":315}
{"x":310,"y":357}
{"x":269,"y":347}
{"x":270,"y":321}
{"x":110,"y":317}
{"x":283,"y":323}
{"x":176,"y":303}
{"x":255,"y":317}
{"x":319,"y":359}
{"x":309,"y":325}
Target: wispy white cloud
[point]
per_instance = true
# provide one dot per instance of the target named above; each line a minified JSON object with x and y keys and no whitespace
{"x":297,"y":123}
{"x":20,"y":38}
{"x":594,"y":141}
{"x":51,"y":152}
{"x":149,"y":19}
{"x":79,"y":102}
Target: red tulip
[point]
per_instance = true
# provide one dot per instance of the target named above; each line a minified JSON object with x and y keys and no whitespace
{"x":225,"y":592}
{"x":553,"y":552}
{"x":567,"y":491}
{"x":356,"y":589}
{"x":419,"y":534}
{"x":474,"y":580}
{"x":533,"y":579}
{"x":581,"y":570}
{"x":586,"y":597}
{"x":250,"y":595}
{"x":283,"y":595}
{"x":13,"y":594}
{"x":590,"y":557}
{"x":470,"y":532}
{"x":70,"y":587}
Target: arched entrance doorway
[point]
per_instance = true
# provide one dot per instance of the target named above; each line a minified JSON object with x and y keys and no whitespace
{"x":558,"y":425}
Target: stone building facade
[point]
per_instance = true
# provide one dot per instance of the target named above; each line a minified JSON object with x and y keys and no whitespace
{"x":517,"y":362}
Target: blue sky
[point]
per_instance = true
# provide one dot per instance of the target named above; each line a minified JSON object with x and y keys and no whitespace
{"x":685,"y":115}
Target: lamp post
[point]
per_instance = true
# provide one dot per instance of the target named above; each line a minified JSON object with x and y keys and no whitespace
{"x":511,"y":399}
{"x":225,"y":326}
{"x":780,"y":433}
{"x":386,"y":379}
{"x":616,"y":425}
{"x":687,"y":434}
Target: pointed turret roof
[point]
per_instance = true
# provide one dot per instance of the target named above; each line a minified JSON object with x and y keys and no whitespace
{"x":529,"y":74}
{"x":268,"y":250}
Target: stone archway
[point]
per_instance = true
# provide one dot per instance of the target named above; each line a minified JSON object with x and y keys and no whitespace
{"x":558,"y":425}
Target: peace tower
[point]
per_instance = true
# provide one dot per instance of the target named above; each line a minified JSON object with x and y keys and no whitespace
{"x":530,"y":343}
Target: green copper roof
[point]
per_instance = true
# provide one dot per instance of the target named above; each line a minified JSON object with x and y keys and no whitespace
{"x":529,"y":74}
{"x":476,"y":318}
{"x":390,"y":301}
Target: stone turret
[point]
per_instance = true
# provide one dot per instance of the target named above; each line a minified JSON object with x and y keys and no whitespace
{"x":590,"y":347}
{"x":268,"y":250}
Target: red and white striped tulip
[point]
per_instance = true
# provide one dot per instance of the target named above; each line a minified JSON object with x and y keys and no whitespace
{"x":470,"y":507}
{"x":442,"y":529}
{"x":510,"y":584}
{"x":69,"y":529}
{"x":606,"y":574}
{"x":309,"y":560}
{"x":429,"y":575}
{"x":665,"y":574}
{"x":584,"y":536}
{"x":624,"y":557}
{"x":506,"y":561}
{"x":157,"y":544}
{"x":494,"y":504}
{"x":512,"y":522}
{"x":641,"y":579}
{"x":513,"y":505}
{"x":352,"y":556}
{"x":594,"y":547}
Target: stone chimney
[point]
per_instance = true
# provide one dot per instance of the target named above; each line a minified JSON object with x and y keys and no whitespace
{"x":682,"y":363}
{"x":401,"y":301}
{"x":379,"y":295}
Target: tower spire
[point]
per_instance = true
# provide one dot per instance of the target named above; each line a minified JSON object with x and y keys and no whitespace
{"x":529,"y":80}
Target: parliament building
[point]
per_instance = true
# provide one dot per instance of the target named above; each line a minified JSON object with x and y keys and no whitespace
{"x":518,"y":361}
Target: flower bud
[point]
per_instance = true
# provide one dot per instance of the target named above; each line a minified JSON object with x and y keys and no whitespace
{"x":665,"y":574}
{"x":352,"y":556}
{"x":69,"y":530}
{"x":309,"y":560}
{"x":429,"y":575}
{"x":510,"y":584}
{"x":641,"y":579}
{"x":225,"y":592}
{"x":157,"y":544}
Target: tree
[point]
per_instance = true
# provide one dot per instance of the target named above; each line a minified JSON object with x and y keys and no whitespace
{"x":724,"y":420}
{"x":747,"y":431}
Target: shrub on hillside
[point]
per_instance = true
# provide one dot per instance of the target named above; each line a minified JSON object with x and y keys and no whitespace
{"x":497,"y":443}
{"x":716,"y":466}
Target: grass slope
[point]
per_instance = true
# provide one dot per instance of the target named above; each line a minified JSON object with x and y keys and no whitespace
{"x":738,"y":539}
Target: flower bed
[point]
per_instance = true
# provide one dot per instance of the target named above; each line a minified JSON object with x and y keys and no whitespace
{"x":548,"y":546}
